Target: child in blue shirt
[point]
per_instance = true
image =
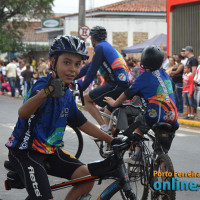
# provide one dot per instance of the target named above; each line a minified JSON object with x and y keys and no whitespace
{"x":154,"y":86}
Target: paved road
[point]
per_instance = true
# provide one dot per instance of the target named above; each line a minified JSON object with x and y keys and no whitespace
{"x":184,"y":153}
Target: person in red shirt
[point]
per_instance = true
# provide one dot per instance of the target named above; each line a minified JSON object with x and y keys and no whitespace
{"x":188,"y":90}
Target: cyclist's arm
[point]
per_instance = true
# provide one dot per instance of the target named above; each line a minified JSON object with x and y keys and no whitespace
{"x":35,"y":100}
{"x":95,"y":64}
{"x":83,"y":71}
{"x":117,"y":102}
{"x":94,"y":131}
{"x":127,"y":94}
{"x":31,"y":105}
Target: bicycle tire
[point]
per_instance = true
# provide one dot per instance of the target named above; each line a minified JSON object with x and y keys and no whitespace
{"x":139,"y":173}
{"x":73,"y":141}
{"x":163,"y":160}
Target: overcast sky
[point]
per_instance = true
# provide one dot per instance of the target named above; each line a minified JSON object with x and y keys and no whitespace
{"x":71,"y":6}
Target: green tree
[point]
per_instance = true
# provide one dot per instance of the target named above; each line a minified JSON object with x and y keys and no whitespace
{"x":13,"y":17}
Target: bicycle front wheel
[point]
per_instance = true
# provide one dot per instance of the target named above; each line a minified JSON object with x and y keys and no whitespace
{"x":73,"y":141}
{"x":138,"y":181}
{"x":163,"y":164}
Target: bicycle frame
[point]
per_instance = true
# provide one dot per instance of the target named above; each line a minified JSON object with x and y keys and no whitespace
{"x":112,"y":167}
{"x":111,"y":117}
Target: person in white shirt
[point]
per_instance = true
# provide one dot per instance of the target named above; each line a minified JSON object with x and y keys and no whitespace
{"x":11,"y":73}
{"x":185,"y":59}
{"x":165,"y":63}
{"x":197,"y":84}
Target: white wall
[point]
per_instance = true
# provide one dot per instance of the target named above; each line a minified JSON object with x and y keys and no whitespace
{"x":130,"y":25}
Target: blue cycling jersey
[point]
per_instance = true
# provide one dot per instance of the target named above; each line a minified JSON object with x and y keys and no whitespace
{"x":110,"y":64}
{"x":47,"y":132}
{"x":156,"y":90}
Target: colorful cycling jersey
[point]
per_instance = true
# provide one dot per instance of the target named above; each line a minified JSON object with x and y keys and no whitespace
{"x":47,"y":131}
{"x":156,"y":90}
{"x":110,"y":64}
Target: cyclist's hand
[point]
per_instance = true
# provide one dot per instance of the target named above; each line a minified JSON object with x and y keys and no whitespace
{"x":55,"y":87}
{"x":117,"y":141}
{"x":110,"y":101}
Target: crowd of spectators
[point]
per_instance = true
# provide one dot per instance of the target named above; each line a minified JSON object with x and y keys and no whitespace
{"x":184,"y":70}
{"x":18,"y":75}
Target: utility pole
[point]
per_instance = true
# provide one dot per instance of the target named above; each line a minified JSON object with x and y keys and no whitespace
{"x":81,"y":17}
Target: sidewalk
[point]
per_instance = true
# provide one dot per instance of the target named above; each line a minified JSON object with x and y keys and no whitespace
{"x":194,"y":122}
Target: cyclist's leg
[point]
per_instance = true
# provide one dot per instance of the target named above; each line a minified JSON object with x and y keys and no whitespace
{"x":92,"y":109}
{"x":97,"y":95}
{"x":30,"y":167}
{"x":81,"y":189}
{"x":65,"y":165}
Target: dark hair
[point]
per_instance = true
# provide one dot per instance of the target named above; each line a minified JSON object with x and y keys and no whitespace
{"x":98,"y":33}
{"x":189,"y":67}
{"x":180,"y":56}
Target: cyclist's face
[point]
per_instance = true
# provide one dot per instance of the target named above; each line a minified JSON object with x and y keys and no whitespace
{"x":68,"y":66}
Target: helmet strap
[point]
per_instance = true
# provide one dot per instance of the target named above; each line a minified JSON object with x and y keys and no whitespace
{"x":54,"y":67}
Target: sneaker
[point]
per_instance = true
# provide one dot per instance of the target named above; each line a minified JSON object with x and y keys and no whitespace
{"x":192,"y":117}
{"x":187,"y":117}
{"x":137,"y":157}
{"x":134,"y":160}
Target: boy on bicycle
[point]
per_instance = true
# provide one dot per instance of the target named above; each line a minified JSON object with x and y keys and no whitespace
{"x":47,"y":108}
{"x":112,"y":67}
{"x":155,"y":89}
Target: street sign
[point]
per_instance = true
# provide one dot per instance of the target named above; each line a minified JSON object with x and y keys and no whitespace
{"x":50,"y":23}
{"x":84,"y":32}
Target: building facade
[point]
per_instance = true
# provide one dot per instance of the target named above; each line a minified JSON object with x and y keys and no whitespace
{"x":183,"y":25}
{"x":127,"y":22}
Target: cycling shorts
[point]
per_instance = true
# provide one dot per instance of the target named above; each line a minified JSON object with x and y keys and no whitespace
{"x":106,"y":90}
{"x":32,"y":169}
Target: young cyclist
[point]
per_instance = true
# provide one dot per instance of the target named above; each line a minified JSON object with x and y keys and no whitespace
{"x":188,"y":90}
{"x":154,"y":86}
{"x":112,"y":67}
{"x":38,"y":133}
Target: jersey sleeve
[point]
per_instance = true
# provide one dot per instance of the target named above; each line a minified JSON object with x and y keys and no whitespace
{"x":135,"y":88}
{"x":83,"y":71}
{"x":94,"y":66}
{"x":76,"y":117}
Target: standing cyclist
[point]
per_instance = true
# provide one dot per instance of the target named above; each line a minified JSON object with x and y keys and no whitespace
{"x":112,"y":67}
{"x":38,"y":133}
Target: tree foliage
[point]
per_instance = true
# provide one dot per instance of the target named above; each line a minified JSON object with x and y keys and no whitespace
{"x":14,"y":14}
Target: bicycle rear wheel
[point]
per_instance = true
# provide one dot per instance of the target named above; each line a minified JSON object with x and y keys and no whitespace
{"x":73,"y":141}
{"x":163,"y":164}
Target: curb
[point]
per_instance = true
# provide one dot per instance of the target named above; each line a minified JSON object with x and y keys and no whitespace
{"x":189,"y":122}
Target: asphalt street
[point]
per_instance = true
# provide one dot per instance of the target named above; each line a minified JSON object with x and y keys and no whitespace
{"x":184,"y":153}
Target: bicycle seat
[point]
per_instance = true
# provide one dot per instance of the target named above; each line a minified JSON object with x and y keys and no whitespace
{"x":162,"y":126}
